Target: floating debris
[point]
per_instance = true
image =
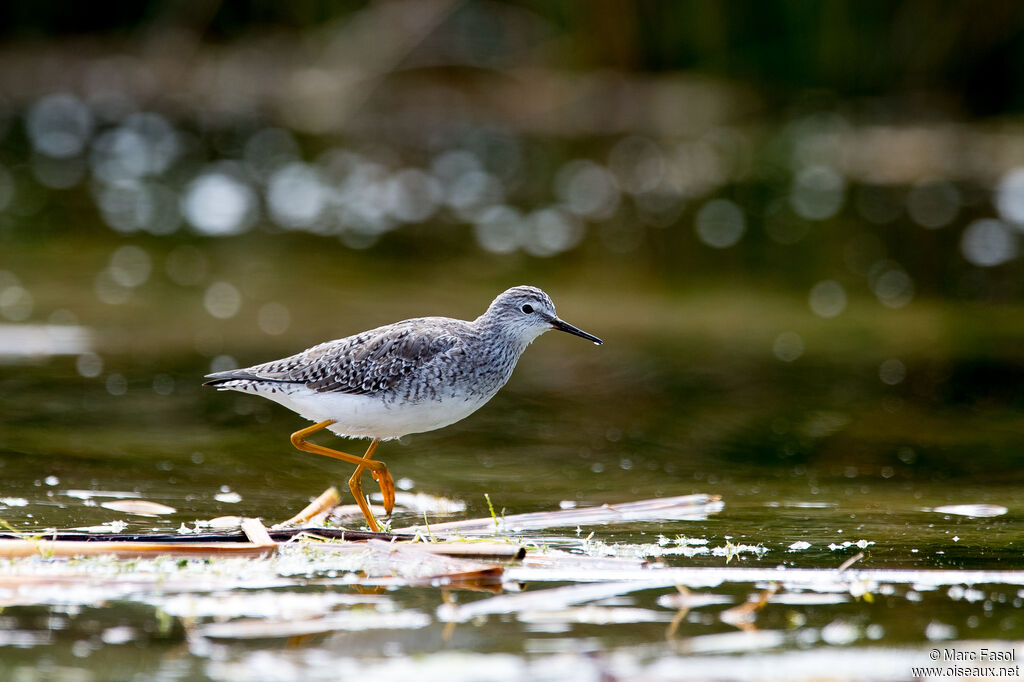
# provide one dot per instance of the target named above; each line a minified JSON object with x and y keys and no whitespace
{"x":860,"y":544}
{"x":90,"y":494}
{"x":108,"y":527}
{"x":321,"y":506}
{"x":220,"y":523}
{"x":556,"y":559}
{"x":801,"y":504}
{"x":56,"y":544}
{"x":423,"y":503}
{"x":11,"y":548}
{"x":291,"y":582}
{"x":682,"y":508}
{"x":598,"y":548}
{"x":981,"y":511}
{"x":730,"y":550}
{"x":850,"y":561}
{"x":140,"y":507}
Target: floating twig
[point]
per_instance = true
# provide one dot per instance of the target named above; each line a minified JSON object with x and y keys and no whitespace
{"x":685,"y":507}
{"x":257,"y":534}
{"x":323,"y":504}
{"x":10,"y":548}
{"x":850,"y":562}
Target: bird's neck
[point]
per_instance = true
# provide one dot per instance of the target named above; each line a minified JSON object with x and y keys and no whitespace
{"x":500,"y":336}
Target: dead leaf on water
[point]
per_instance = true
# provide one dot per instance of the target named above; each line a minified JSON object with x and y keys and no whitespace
{"x":140,"y":507}
{"x":982,"y":511}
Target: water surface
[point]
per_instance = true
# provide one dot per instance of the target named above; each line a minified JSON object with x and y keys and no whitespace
{"x":816,"y":459}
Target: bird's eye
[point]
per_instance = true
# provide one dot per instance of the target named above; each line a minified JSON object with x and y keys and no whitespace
{"x":527,"y":308}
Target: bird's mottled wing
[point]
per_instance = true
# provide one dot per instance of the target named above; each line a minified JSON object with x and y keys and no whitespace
{"x":379,"y":362}
{"x":359,"y":365}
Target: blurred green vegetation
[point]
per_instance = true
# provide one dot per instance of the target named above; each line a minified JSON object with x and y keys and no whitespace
{"x":972,"y":60}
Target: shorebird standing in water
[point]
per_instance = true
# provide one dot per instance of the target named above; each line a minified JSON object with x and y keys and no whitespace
{"x":408,"y":377}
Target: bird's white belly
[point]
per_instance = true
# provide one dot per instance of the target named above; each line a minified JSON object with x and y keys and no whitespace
{"x":360,"y":416}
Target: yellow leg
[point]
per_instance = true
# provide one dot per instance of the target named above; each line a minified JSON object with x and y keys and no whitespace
{"x":378,"y":470}
{"x":355,"y":483}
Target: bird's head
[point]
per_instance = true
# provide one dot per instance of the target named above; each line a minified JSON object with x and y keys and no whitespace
{"x":527,"y":312}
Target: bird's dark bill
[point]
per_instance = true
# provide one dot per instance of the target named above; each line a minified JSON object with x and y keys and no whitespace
{"x":566,"y":327}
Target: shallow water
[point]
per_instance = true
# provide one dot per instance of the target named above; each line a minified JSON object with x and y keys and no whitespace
{"x":686,"y":396}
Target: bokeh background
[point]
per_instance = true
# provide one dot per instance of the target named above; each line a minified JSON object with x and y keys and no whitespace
{"x":797,"y":226}
{"x":766,"y":207}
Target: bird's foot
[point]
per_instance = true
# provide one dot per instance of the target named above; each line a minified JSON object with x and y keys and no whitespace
{"x":387,"y":488}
